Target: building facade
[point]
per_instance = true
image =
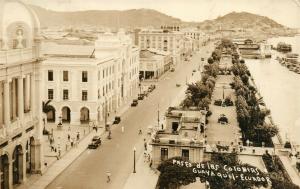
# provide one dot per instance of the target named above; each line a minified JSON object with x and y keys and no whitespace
{"x":197,"y":38}
{"x":183,"y":136}
{"x":153,"y":63}
{"x":20,"y":105}
{"x":164,"y":40}
{"x":87,"y":85}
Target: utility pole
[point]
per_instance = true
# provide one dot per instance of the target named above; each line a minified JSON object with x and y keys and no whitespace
{"x":158,"y":116}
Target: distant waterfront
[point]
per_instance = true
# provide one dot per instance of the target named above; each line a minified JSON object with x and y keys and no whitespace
{"x":280,"y":89}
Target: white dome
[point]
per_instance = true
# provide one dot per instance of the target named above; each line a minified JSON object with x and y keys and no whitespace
{"x":16,"y":18}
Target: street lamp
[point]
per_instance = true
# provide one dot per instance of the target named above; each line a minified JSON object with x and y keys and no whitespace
{"x":134,"y":150}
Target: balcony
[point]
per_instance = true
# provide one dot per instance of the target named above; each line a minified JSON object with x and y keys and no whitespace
{"x":16,"y":55}
{"x":15,"y":127}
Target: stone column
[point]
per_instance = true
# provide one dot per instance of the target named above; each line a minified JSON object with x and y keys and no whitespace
{"x":6,"y":104}
{"x":14,"y":104}
{"x":36,"y":105}
{"x":27,"y":92}
{"x":20,"y":99}
{"x":32,"y":94}
{"x":10,"y":174}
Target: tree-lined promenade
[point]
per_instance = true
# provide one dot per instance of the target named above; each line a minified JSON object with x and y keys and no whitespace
{"x":248,"y":115}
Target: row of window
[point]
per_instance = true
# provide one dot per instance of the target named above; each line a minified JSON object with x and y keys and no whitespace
{"x":84,"y":94}
{"x":185,"y":153}
{"x":159,"y":38}
{"x":84,"y":76}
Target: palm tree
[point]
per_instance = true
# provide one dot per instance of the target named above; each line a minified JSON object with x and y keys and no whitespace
{"x":46,"y":109}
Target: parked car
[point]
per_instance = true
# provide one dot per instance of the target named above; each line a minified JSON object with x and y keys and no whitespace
{"x":194,"y":70}
{"x":117,"y":120}
{"x":228,"y":102}
{"x":218,"y":102}
{"x":178,"y":85}
{"x":202,"y":59}
{"x":141,"y":96}
{"x":95,"y":143}
{"x":134,"y":102}
{"x":223,"y":119}
{"x":151,"y":88}
{"x":146,"y":93}
{"x":172,"y":69}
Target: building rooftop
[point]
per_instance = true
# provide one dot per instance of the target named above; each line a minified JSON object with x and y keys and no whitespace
{"x":63,"y":50}
{"x":183,"y":128}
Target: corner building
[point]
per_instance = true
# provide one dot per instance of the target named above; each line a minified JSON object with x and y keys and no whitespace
{"x":86,"y":82}
{"x":20,"y":105}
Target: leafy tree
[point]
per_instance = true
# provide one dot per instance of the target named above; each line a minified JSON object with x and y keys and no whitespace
{"x":173,"y":176}
{"x":210,"y":60}
{"x":46,"y":107}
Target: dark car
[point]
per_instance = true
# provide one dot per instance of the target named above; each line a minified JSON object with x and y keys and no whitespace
{"x":95,"y":143}
{"x":223,"y":119}
{"x":141,"y":96}
{"x":218,"y":102}
{"x":134,"y":102}
{"x":172,"y":69}
{"x":117,"y":120}
{"x":151,"y":88}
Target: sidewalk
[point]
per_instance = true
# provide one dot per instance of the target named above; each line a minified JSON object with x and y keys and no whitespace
{"x":145,"y":177}
{"x":290,"y":169}
{"x":58,"y":166}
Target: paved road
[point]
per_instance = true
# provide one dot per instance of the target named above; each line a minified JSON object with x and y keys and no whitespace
{"x":116,"y":155}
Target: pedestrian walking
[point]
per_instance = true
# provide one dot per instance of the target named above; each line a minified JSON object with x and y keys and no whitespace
{"x":145,"y":144}
{"x":72,"y":143}
{"x":96,"y":128}
{"x":78,"y":136}
{"x":108,"y":174}
{"x":69,"y":137}
{"x":140,"y":131}
{"x":145,"y":156}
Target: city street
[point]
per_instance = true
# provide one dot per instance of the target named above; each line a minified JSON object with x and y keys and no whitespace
{"x":116,"y":155}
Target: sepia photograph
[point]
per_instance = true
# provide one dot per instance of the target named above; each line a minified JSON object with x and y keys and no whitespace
{"x":148,"y":94}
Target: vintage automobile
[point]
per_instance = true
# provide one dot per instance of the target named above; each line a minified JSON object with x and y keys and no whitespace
{"x":95,"y":143}
{"x":134,"y":102}
{"x":223,"y":119}
{"x":117,"y":120}
{"x":172,"y":69}
{"x":141,"y":96}
{"x":218,"y":102}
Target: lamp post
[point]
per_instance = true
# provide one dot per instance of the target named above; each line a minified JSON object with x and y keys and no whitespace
{"x":134,"y":150}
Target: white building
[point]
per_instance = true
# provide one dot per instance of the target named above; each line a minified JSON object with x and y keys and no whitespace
{"x":86,"y":82}
{"x":164,"y":40}
{"x":20,"y":105}
{"x":151,"y":65}
{"x":197,"y":37}
{"x":183,"y":136}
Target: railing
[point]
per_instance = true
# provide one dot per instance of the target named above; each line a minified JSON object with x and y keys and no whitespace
{"x":15,"y":127}
{"x":16,"y":55}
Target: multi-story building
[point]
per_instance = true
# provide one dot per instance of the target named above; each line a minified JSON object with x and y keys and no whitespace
{"x":164,"y":40}
{"x":84,"y":83}
{"x":182,"y":136}
{"x":20,"y":105}
{"x":153,"y":63}
{"x":197,"y":37}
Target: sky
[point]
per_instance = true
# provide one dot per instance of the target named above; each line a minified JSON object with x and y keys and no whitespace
{"x":286,"y":12}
